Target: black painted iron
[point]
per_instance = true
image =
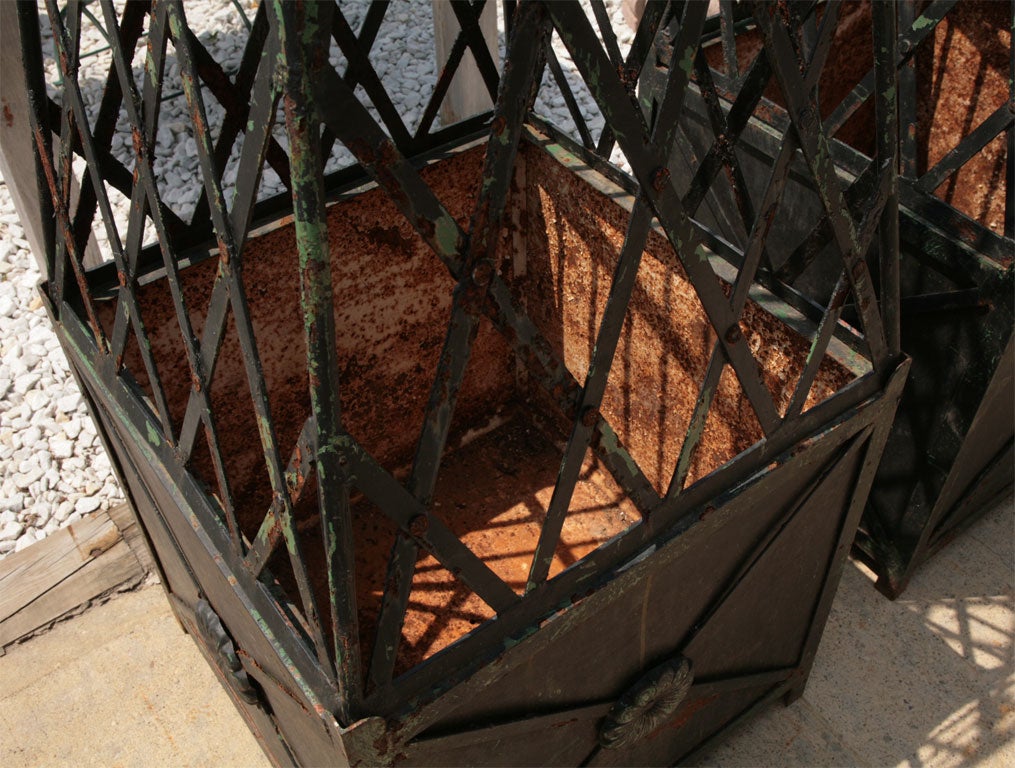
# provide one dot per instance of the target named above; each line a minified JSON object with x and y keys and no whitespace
{"x":478,"y":439}
{"x":949,"y":457}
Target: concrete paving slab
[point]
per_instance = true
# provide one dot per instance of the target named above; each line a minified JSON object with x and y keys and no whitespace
{"x":920,"y":681}
{"x":889,"y":684}
{"x":928,"y":681}
{"x":120,"y":685}
{"x":996,"y":534}
{"x":797,"y":735}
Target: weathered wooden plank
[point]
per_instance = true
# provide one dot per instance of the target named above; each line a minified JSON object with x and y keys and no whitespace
{"x":467,"y":95}
{"x":58,"y":575}
{"x":116,"y":569}
{"x":124,"y":519}
{"x":27,"y":574}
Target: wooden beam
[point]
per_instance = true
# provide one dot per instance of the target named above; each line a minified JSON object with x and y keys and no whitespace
{"x":467,"y":95}
{"x":17,"y":147}
{"x":124,"y":519}
{"x":17,"y":152}
{"x":56,"y":577}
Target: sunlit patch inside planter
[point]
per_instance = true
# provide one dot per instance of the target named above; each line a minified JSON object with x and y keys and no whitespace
{"x":392,"y":298}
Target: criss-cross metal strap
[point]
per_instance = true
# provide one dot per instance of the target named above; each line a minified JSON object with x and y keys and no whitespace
{"x":814,"y":143}
{"x":649,"y":161}
{"x":477,"y":272}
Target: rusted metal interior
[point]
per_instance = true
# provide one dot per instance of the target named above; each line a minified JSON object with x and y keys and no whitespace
{"x":478,"y":440}
{"x":505,"y":441}
{"x":950,"y":453}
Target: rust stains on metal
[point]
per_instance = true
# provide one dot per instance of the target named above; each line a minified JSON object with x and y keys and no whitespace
{"x":660,"y":179}
{"x":628,"y":76}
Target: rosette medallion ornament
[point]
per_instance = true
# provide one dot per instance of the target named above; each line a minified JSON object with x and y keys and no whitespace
{"x":647,"y":704}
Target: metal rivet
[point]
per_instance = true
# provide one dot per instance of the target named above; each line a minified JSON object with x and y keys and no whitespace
{"x":419,"y":525}
{"x":482,"y":273}
{"x":808,"y":118}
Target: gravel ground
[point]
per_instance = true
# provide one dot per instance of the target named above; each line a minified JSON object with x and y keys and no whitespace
{"x":52,"y":465}
{"x":53,"y":469}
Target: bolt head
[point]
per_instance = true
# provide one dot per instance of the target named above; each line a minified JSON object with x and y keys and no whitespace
{"x":482,"y":273}
{"x":419,"y":525}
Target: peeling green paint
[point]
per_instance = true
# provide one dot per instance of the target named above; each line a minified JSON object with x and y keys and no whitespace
{"x":174,"y":23}
{"x":290,"y":665}
{"x":311,"y":241}
{"x":446,"y":234}
{"x":153,"y":435}
{"x":557,"y":151}
{"x":610,"y":444}
{"x":153,"y":74}
{"x":687,"y":61}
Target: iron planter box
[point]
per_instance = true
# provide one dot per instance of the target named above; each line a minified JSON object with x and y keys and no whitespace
{"x":949,"y":457}
{"x":471,"y":452}
{"x":724,"y":595}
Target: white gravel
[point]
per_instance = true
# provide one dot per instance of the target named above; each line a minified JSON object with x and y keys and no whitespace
{"x":53,"y":469}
